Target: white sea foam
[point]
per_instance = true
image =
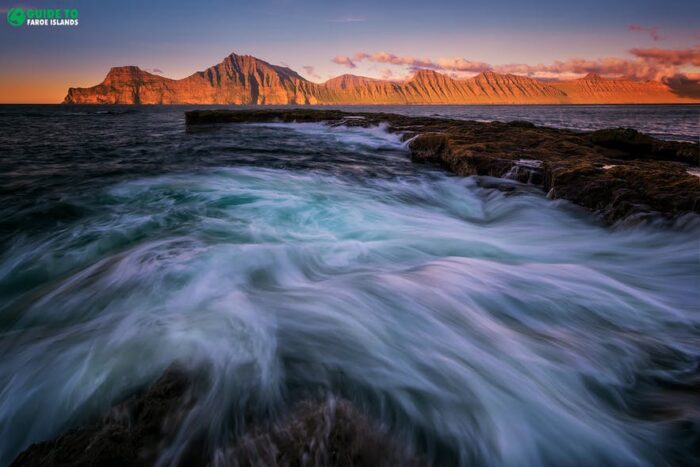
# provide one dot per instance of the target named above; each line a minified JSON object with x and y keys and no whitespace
{"x":480,"y":327}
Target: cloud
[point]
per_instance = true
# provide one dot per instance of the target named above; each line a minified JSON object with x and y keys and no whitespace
{"x":386,"y":73}
{"x":575,"y":67}
{"x":414,"y":63}
{"x":647,"y":64}
{"x":677,"y":57}
{"x":311,"y":71}
{"x":347,"y":20}
{"x":653,"y":31}
{"x":460,"y":64}
{"x":639,"y":69}
{"x":154,"y":70}
{"x":344,"y":60}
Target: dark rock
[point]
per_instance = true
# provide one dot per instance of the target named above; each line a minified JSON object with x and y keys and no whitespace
{"x":429,"y":147}
{"x":521,"y":124}
{"x":137,"y":431}
{"x":618,"y":173}
{"x":625,"y":139}
{"x":334,"y":433}
{"x":132,"y":433}
{"x":635,"y":145}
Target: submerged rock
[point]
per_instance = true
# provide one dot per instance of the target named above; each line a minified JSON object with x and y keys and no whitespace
{"x":618,"y":173}
{"x":139,"y":431}
{"x":132,"y":433}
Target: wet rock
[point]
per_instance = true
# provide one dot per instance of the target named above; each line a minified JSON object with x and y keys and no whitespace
{"x":618,"y":173}
{"x":429,"y":147}
{"x":138,"y":431}
{"x":635,"y":145}
{"x":521,"y":124}
{"x":526,"y":171}
{"x":333,"y":433}
{"x":132,"y":433}
{"x":625,"y":139}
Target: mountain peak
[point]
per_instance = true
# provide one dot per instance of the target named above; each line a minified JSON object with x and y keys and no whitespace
{"x":244,"y":80}
{"x":119,"y":74}
{"x":425,"y":72}
{"x":593,"y":77}
{"x":490,"y":75}
{"x":348,"y":82}
{"x":125,"y":68}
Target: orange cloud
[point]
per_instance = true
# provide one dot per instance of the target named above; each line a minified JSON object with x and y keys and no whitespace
{"x":445,"y":64}
{"x":676,"y":57}
{"x":653,"y":31}
{"x":344,"y":60}
{"x":386,"y":73}
{"x":311,"y":71}
{"x":634,"y":69}
{"x":648,"y":64}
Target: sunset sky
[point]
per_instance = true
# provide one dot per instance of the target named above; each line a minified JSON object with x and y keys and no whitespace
{"x":320,"y":39}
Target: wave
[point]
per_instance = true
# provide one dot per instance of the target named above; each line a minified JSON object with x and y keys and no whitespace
{"x":479,"y":327}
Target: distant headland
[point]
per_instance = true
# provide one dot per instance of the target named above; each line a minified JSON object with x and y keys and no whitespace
{"x":246,"y":80}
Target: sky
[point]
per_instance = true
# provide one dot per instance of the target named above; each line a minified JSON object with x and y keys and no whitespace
{"x":389,"y":39}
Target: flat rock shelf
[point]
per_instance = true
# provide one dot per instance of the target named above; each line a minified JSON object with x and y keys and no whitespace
{"x":618,"y":173}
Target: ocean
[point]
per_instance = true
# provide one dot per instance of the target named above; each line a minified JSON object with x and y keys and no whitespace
{"x":480,"y":327}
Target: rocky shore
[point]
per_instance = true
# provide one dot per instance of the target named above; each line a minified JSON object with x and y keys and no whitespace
{"x":143,"y":431}
{"x":619,"y":173}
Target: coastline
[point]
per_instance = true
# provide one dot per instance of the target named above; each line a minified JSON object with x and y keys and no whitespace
{"x":564,"y":164}
{"x":619,"y":174}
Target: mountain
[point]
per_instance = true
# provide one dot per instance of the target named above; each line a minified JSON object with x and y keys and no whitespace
{"x":238,"y":79}
{"x":243,"y":79}
{"x":594,"y":89}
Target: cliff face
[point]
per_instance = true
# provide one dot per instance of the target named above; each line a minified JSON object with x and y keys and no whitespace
{"x":242,"y":79}
{"x":236,"y":80}
{"x":593,"y":89}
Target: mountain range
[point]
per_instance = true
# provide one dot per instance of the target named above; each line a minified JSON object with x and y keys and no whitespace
{"x":244,"y":79}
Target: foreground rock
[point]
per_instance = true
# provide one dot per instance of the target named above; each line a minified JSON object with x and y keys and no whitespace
{"x":620,"y":174}
{"x":143,"y":429}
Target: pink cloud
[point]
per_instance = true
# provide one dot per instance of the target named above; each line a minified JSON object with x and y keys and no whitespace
{"x":647,"y":64}
{"x":311,"y":71}
{"x":653,"y":31}
{"x":461,"y":64}
{"x":414,"y":63}
{"x":635,"y":69}
{"x":344,"y":60}
{"x":677,"y":57}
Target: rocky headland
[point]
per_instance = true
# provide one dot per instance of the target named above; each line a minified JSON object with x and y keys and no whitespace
{"x":247,"y":80}
{"x":620,"y":174}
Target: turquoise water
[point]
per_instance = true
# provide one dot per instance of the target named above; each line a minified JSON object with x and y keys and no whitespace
{"x":480,"y":327}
